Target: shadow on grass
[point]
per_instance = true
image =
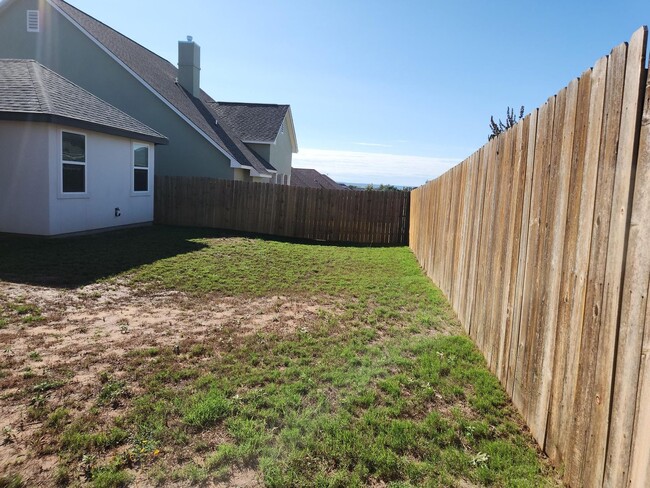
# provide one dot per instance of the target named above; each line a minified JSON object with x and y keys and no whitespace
{"x":76,"y":261}
{"x":70,"y":262}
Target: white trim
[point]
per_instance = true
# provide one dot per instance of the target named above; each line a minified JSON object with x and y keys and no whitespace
{"x":70,"y":194}
{"x":33,"y":19}
{"x":141,"y":80}
{"x":134,"y":192}
{"x":259,"y":142}
{"x":292,"y":131}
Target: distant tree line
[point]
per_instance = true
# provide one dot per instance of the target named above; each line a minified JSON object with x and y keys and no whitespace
{"x":382,"y":187}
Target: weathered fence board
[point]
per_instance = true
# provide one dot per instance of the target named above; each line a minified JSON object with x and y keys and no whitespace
{"x":368,"y":217}
{"x":540,"y":240}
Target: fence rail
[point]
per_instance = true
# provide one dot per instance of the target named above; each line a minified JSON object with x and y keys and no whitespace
{"x":368,"y":217}
{"x":541,"y":242}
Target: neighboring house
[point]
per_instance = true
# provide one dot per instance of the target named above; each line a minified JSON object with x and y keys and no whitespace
{"x":310,"y":178}
{"x":69,"y":162}
{"x":240,"y":141}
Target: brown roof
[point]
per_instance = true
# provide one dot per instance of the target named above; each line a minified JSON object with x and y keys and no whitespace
{"x":310,"y":178}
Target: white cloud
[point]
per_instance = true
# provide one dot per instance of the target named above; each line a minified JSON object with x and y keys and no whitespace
{"x":367,"y":167}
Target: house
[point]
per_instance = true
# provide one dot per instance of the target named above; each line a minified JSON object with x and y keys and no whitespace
{"x":310,"y":178}
{"x":69,"y":161}
{"x":240,"y":141}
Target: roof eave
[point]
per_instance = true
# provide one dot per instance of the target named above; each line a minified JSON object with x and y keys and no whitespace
{"x":81,"y":124}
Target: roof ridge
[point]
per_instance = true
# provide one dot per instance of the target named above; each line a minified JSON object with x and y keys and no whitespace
{"x":260,"y":104}
{"x":36,"y":77}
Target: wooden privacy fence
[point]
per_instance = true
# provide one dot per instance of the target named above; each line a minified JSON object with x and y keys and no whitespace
{"x":541,"y":242}
{"x":368,"y":217}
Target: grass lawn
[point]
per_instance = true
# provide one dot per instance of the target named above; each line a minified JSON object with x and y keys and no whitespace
{"x":175,"y":357}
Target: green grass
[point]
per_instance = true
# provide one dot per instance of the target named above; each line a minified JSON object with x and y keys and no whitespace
{"x":380,"y":388}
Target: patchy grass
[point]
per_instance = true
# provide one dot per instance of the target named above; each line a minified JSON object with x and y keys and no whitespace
{"x":378,"y":387}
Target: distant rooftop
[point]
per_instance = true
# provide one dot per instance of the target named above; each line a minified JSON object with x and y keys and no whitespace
{"x":310,"y":178}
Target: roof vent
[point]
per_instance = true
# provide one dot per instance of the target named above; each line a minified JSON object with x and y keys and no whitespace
{"x":33,"y":21}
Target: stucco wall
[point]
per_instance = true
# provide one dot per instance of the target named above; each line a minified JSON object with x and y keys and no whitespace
{"x":24,"y":188}
{"x":281,"y":151}
{"x":109,"y":176}
{"x":66,"y":50}
{"x":30,"y":180}
{"x":278,"y":154}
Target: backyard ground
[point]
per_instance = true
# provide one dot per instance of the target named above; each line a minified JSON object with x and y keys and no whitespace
{"x":178,"y":357}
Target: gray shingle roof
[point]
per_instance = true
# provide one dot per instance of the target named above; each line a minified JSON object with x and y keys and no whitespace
{"x":161,"y":75}
{"x":30,"y":91}
{"x":252,"y":122}
{"x":311,"y":178}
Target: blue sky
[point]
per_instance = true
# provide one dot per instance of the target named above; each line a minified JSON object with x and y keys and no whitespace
{"x":383,"y":91}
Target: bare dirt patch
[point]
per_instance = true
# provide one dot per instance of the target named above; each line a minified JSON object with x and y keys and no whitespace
{"x":83,"y":333}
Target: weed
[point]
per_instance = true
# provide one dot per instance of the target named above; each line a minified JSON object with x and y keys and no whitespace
{"x":11,"y":481}
{"x":57,"y":419}
{"x":47,"y":385}
{"x":8,"y":436}
{"x":198,"y":350}
{"x":110,"y":477}
{"x":112,"y":393}
{"x":35,"y":356}
{"x":28,"y":312}
{"x":142,"y":451}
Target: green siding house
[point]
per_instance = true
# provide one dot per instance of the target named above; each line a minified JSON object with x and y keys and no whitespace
{"x":242,"y":141}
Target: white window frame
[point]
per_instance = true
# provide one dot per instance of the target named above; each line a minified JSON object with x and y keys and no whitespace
{"x":62,"y":161}
{"x":134,"y":146}
{"x":31,"y":15}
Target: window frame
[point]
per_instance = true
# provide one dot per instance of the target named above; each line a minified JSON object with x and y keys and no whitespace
{"x":134,"y":146}
{"x":62,"y":162}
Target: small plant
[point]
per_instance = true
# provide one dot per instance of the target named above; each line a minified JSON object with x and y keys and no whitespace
{"x":12,"y":481}
{"x":480,"y":459}
{"x":142,"y":451}
{"x":88,"y":464}
{"x":35,"y":356}
{"x":47,"y":385}
{"x":57,"y":419}
{"x":124,"y":326}
{"x":198,"y":350}
{"x":8,"y":436}
{"x":112,"y":392}
{"x":27,"y":311}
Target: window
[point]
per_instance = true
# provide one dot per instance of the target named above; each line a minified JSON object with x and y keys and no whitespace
{"x":140,"y":168}
{"x":73,"y":162}
{"x":33,"y":21}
